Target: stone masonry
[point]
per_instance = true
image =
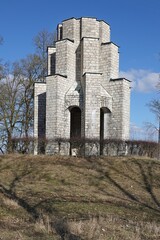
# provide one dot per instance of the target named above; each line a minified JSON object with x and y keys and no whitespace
{"x":83,"y":95}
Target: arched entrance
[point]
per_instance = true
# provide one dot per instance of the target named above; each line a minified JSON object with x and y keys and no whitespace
{"x":104,"y":121}
{"x":75,"y":129}
{"x":75,"y":125}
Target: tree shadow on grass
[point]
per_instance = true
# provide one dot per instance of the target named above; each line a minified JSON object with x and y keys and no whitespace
{"x":142,"y":175}
{"x":146,"y":183}
{"x":60,"y":225}
{"x":147,"y":177}
{"x":10,"y":193}
{"x":137,"y":171}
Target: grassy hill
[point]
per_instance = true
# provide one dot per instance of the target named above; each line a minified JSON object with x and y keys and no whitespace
{"x":50,"y":197}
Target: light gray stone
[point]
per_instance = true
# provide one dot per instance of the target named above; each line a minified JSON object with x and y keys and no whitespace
{"x":83,"y":73}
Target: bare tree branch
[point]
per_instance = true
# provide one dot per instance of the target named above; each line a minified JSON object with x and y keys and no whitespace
{"x":154,"y":107}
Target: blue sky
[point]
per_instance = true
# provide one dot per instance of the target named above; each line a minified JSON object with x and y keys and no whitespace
{"x":135,"y":27}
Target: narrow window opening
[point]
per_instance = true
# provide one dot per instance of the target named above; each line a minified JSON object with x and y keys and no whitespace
{"x":60,"y":33}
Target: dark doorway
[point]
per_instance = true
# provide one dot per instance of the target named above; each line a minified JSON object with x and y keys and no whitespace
{"x":103,"y":112}
{"x":75,"y":127}
{"x":75,"y":130}
{"x":41,"y":122}
{"x":101,"y":130}
{"x":101,"y":124}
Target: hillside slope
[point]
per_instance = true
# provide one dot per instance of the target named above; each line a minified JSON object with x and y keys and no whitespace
{"x":48,"y":197}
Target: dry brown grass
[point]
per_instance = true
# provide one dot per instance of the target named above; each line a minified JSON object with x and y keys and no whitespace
{"x":44,"y":197}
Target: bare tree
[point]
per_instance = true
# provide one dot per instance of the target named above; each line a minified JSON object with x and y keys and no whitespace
{"x":11,"y":101}
{"x":154,"y":107}
{"x":16,"y":98}
{"x":1,"y":65}
{"x":28,"y":71}
{"x":42,"y":41}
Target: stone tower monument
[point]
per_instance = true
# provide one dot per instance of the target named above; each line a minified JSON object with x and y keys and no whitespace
{"x":83,"y":96}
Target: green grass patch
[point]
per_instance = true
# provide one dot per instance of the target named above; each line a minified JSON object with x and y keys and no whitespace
{"x":51,"y":197}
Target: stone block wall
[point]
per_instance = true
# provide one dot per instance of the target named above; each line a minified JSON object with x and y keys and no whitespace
{"x":39,"y":113}
{"x":120,"y":92}
{"x":104,"y":32}
{"x":51,"y":60}
{"x":90,"y":53}
{"x":109,"y":61}
{"x":91,"y":105}
{"x":89,"y":28}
